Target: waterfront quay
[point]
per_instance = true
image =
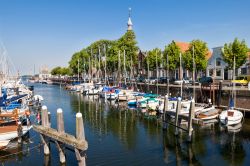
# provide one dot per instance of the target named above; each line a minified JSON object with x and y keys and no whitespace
{"x":203,"y":92}
{"x":118,"y":135}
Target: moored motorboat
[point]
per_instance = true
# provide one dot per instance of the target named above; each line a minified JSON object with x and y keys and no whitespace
{"x":230,"y":117}
{"x":10,"y":132}
{"x":208,"y":113}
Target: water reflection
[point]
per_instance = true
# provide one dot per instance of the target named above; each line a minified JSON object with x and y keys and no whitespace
{"x":176,"y":152}
{"x":231,"y":145}
{"x":111,"y":118}
{"x":15,"y":151}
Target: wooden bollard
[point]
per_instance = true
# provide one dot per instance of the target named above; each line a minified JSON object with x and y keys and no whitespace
{"x":60,"y":121}
{"x":45,"y":120}
{"x":190,"y":119}
{"x":79,"y":127}
{"x":165,"y":108}
{"x":60,"y":129}
{"x":49,"y":119}
{"x":178,"y":109}
{"x":45,"y":123}
{"x":80,"y":135}
{"x":219,"y":94}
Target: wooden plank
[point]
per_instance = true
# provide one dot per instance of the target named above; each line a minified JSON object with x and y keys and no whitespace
{"x":62,"y":137}
{"x":240,"y":109}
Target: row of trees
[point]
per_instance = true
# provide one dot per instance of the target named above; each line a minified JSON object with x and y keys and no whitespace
{"x":105,"y":54}
{"x":173,"y":52}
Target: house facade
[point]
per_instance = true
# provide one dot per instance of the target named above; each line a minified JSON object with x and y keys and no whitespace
{"x":217,"y":68}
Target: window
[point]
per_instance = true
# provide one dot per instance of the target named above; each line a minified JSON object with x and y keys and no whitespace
{"x":211,"y":71}
{"x":244,"y":70}
{"x":218,"y":61}
{"x":218,"y":72}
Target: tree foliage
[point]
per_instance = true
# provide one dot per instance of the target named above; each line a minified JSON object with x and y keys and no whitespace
{"x":150,"y":59}
{"x":173,"y":53}
{"x":60,"y":71}
{"x":98,"y":50}
{"x":201,"y":52}
{"x":237,"y":49}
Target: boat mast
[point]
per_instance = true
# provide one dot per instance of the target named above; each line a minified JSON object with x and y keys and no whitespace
{"x":78,"y":69}
{"x":124,"y":66}
{"x":95,"y":59}
{"x":234,"y":92}
{"x":99,"y":64}
{"x":105,"y":65}
{"x":148,"y":70}
{"x":193,"y":75}
{"x":89,"y":70}
{"x":119,"y":68}
{"x":131,"y":70}
{"x":167,"y":76}
{"x":180,"y":75}
{"x":156,"y":72}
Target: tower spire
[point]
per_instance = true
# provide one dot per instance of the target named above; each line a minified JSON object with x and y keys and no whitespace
{"x":130,"y":24}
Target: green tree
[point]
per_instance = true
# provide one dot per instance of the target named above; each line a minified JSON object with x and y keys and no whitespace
{"x":173,"y":53}
{"x":82,"y":57}
{"x":128,"y":43}
{"x":111,"y":48}
{"x":237,"y":49}
{"x":150,"y":59}
{"x":56,"y":71}
{"x":200,"y":53}
{"x":65,"y":71}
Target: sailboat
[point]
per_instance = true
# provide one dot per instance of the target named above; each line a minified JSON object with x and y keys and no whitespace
{"x":231,"y":116}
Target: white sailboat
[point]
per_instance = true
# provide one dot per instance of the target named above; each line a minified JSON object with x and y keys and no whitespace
{"x":231,"y":116}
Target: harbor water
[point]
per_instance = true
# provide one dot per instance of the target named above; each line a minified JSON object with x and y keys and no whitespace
{"x":120,"y":136}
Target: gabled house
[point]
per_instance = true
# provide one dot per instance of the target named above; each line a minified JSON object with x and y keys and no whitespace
{"x":217,"y":68}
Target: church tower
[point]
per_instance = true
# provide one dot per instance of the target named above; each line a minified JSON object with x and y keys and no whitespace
{"x":129,"y":24}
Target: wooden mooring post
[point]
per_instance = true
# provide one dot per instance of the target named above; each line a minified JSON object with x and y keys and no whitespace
{"x":190,"y":118}
{"x":61,"y":139}
{"x":177,"y":120}
{"x":164,"y":112}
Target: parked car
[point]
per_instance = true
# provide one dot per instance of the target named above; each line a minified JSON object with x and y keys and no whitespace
{"x":184,"y":81}
{"x":152,"y":80}
{"x":241,"y":80}
{"x":205,"y":80}
{"x":140,"y":79}
{"x":163,"y":80}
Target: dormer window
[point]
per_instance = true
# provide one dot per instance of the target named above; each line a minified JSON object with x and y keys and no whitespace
{"x":218,"y":61}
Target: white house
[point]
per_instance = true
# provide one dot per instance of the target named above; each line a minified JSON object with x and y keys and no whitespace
{"x":217,"y":67}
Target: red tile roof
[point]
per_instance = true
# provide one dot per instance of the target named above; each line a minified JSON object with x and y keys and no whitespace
{"x":184,"y":47}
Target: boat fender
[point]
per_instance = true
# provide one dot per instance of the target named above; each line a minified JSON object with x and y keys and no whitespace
{"x":226,"y":120}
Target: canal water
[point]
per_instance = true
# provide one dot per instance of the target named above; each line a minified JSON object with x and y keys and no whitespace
{"x":117,"y":136}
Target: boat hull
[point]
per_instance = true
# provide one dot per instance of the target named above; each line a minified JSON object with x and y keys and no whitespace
{"x":233,"y":119}
{"x":12,"y":134}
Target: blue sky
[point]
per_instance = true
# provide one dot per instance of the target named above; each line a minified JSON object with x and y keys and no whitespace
{"x":48,"y":32}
